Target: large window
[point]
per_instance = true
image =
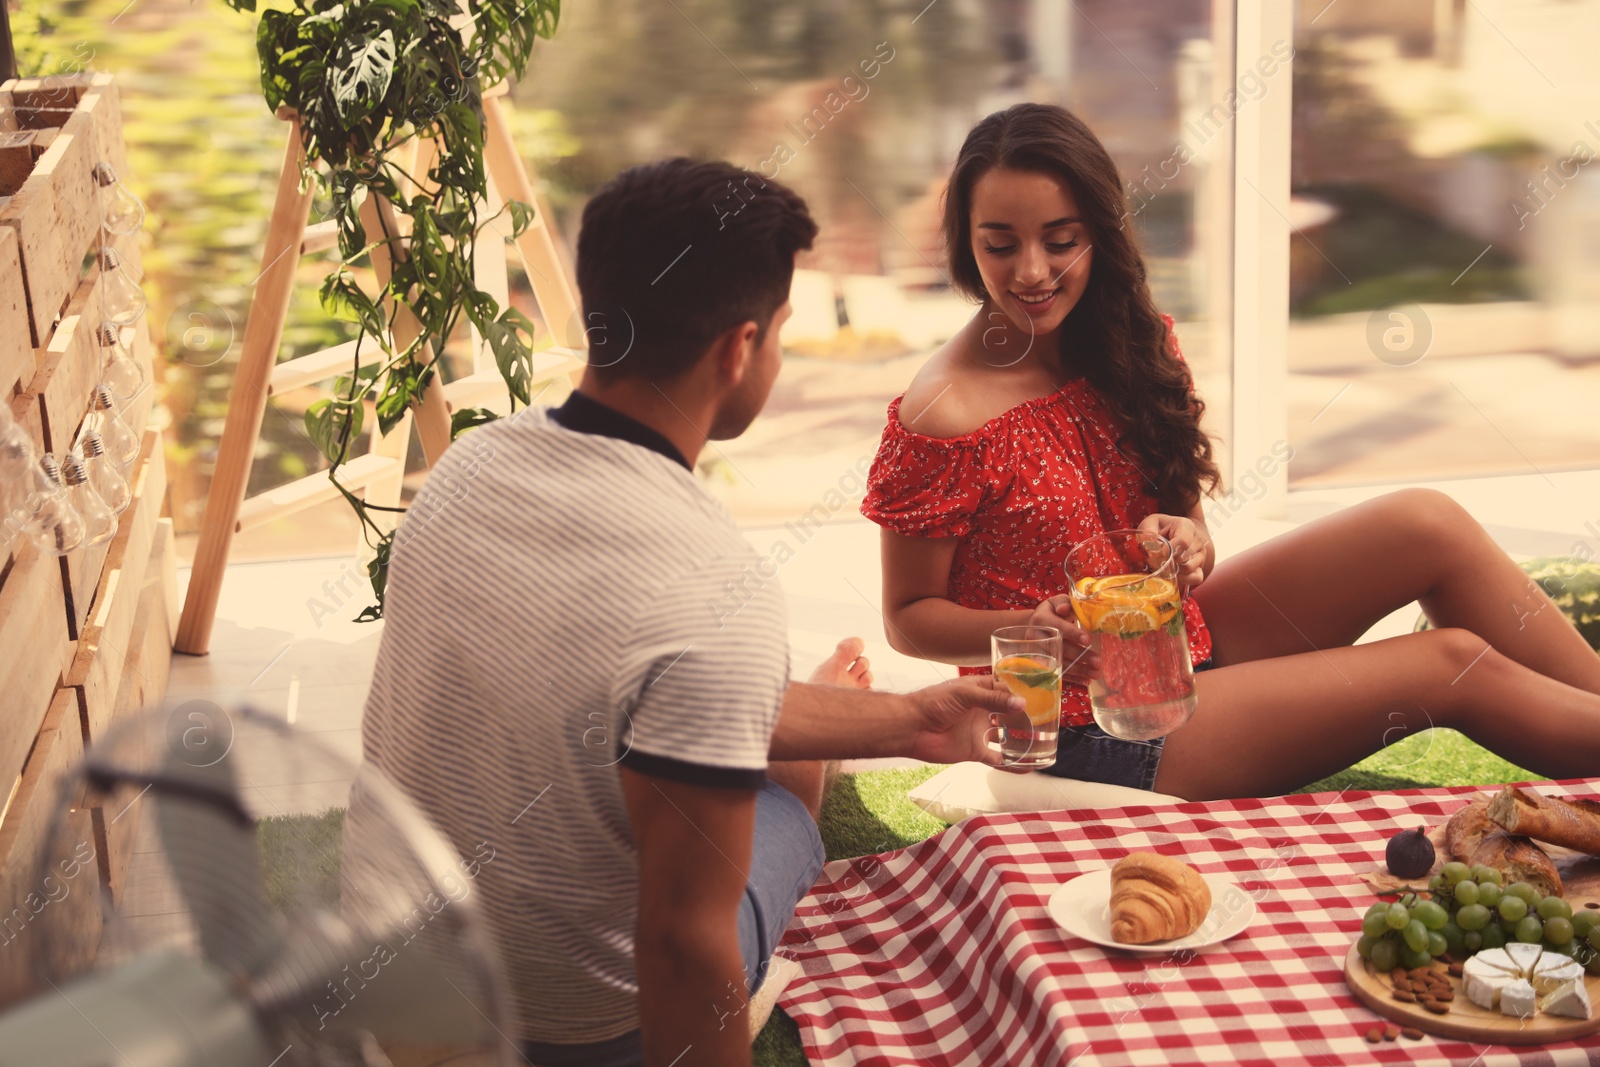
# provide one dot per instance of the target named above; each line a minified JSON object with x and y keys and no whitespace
{"x":1445,"y":267}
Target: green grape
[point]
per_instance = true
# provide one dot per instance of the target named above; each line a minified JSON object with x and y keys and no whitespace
{"x":1398,"y":915}
{"x":1364,"y":947}
{"x":1592,"y":965}
{"x":1411,"y":958}
{"x":1493,"y":936}
{"x":1473,"y":917}
{"x":1467,"y":893}
{"x":1523,"y":890}
{"x":1415,"y":936}
{"x":1582,"y":923}
{"x":1530,"y":931}
{"x":1431,"y":915}
{"x":1484,"y":873}
{"x":1437,"y":945}
{"x":1378,"y":908}
{"x":1512,"y":909}
{"x":1472,"y":940}
{"x":1455,"y":872}
{"x":1437,"y":884}
{"x":1554,"y":908}
{"x":1454,"y":939}
{"x":1594,"y":938}
{"x":1489,"y":894}
{"x":1567,"y":949}
{"x":1558,"y":930}
{"x":1385,"y":954}
{"x":1376,"y":925}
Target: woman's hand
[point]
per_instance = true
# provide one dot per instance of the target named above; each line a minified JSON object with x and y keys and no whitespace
{"x":1189,"y":546}
{"x":1078,"y":663}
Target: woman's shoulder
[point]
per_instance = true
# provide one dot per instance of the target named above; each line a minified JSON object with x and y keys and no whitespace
{"x":938,"y":402}
{"x":951,"y":398}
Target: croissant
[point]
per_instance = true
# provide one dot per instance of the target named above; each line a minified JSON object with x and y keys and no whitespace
{"x":1156,"y":898}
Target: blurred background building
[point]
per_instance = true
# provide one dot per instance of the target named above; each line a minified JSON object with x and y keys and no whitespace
{"x":1444,"y":297}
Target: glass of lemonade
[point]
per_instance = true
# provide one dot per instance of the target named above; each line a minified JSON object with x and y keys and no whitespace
{"x":1027,"y":659}
{"x":1125,"y":594}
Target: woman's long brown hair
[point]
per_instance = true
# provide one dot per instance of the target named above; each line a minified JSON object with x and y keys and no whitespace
{"x":1115,"y":333}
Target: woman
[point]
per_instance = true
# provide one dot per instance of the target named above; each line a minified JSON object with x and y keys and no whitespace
{"x":1064,"y":408}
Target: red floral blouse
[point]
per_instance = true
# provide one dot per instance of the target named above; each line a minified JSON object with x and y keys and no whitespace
{"x":1019,"y":492}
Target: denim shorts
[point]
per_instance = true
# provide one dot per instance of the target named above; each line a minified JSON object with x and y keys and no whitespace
{"x":1089,"y":754}
{"x":785,"y":860}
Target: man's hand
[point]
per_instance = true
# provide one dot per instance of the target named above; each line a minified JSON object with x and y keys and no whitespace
{"x":1079,"y":663}
{"x":1189,"y":544}
{"x":956,"y":721}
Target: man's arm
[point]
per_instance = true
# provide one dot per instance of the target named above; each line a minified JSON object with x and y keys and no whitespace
{"x":694,"y":860}
{"x":945,"y":723}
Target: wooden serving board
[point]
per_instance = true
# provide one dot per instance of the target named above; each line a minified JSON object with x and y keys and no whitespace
{"x":1466,"y":1020}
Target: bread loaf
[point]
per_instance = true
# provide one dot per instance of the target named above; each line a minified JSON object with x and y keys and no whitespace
{"x":1464,"y":832}
{"x":1520,"y":860}
{"x":1156,"y":898}
{"x":1573,"y":824}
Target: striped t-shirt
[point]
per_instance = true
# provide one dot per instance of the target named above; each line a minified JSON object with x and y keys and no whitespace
{"x":559,"y":602}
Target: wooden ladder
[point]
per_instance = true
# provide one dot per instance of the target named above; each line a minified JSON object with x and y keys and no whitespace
{"x":380,"y":472}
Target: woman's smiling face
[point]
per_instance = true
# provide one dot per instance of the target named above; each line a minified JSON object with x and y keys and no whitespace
{"x":1031,"y":247}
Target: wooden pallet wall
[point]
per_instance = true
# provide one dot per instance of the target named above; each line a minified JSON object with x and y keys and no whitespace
{"x":86,"y":638}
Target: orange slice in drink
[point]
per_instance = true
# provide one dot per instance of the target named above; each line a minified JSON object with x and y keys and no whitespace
{"x":1162,"y":595}
{"x":1127,"y":619}
{"x":1038,"y":686}
{"x":1097,"y":596}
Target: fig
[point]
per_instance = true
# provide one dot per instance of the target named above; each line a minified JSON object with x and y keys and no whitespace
{"x":1410,"y":854}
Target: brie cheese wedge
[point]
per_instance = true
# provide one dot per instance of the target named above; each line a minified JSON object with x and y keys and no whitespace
{"x":1497,"y":959}
{"x":1523,"y":956}
{"x":1484,"y":989}
{"x":1570,"y":999}
{"x":1554,"y":970}
{"x":1518,"y":999}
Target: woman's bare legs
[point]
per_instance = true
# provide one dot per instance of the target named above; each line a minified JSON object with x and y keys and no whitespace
{"x":1328,"y":582}
{"x":1266,"y":727}
{"x":1292,"y":702}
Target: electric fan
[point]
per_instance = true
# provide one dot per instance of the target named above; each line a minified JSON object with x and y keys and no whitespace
{"x":296,"y":945}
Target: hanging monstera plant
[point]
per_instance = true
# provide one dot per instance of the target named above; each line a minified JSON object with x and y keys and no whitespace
{"x":365,"y":77}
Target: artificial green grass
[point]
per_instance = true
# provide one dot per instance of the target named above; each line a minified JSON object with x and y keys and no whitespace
{"x":1426,"y":760}
{"x":300,"y":858}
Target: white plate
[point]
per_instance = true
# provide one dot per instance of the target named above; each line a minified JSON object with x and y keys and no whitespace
{"x":1082,"y":907}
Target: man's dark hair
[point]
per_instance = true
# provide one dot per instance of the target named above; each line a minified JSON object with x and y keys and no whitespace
{"x":673,"y":254}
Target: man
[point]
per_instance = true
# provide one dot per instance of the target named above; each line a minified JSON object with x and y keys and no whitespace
{"x":561,"y":675}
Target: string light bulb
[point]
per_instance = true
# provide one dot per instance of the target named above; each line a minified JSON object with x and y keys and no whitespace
{"x":124,"y":300}
{"x":121,"y":373}
{"x":104,"y":476}
{"x":121,"y":212}
{"x":99,"y":521}
{"x":121,"y":443}
{"x":16,"y":447}
{"x":49,"y":520}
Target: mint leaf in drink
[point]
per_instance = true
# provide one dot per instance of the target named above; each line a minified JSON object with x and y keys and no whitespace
{"x":1047,"y":679}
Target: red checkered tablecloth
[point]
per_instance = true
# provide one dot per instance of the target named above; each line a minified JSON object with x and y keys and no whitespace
{"x":942,"y":954}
